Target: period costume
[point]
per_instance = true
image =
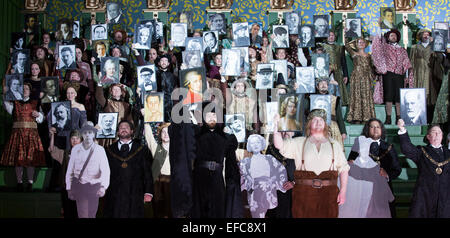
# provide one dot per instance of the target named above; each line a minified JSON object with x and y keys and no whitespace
{"x":368,"y":193}
{"x":131,"y":178}
{"x":361,"y":106}
{"x":440,"y":65}
{"x":391,"y":60}
{"x":245,"y":105}
{"x":431,"y":198}
{"x":420,"y":56}
{"x":161,"y":175}
{"x":181,"y":158}
{"x":315,"y":191}
{"x":24,"y":147}
{"x":167,"y":82}
{"x":337,"y":126}
{"x":212,"y":197}
{"x":339,"y":64}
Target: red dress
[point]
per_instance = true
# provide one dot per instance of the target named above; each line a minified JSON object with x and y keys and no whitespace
{"x":24,"y":147}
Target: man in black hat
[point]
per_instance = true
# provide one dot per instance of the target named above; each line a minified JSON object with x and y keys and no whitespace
{"x":392,"y":61}
{"x":131,"y":183}
{"x":240,"y":35}
{"x":148,"y":84}
{"x":264,"y":78}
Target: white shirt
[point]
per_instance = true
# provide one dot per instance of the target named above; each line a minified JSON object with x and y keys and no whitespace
{"x":130,"y":143}
{"x":97,"y":170}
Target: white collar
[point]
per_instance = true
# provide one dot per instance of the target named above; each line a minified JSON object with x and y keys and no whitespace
{"x":436,"y":147}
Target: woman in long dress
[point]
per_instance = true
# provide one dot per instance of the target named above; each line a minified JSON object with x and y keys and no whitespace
{"x":24,"y":148}
{"x":361,"y":106}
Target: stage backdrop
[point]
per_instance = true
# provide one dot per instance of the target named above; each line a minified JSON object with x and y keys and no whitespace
{"x":252,"y":11}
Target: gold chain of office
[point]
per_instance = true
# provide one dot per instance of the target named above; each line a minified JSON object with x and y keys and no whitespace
{"x":124,"y":160}
{"x":439,"y":165}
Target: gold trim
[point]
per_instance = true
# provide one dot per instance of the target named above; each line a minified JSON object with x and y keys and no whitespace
{"x":124,"y":160}
{"x":439,"y":165}
{"x":24,"y":124}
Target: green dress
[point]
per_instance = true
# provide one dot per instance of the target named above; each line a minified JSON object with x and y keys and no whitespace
{"x":420,"y":60}
{"x":335,"y":52}
{"x":440,"y":111}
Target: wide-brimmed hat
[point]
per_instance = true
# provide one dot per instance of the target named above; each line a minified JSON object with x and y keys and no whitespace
{"x":421,"y":31}
{"x":386,"y":35}
{"x":88,"y":126}
{"x":241,"y":27}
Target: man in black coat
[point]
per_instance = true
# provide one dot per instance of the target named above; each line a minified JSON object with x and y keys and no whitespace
{"x":131,"y":182}
{"x":381,"y":152}
{"x":212,"y":197}
{"x":166,"y":82}
{"x":431,"y":198}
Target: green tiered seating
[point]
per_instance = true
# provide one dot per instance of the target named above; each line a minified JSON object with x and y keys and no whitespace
{"x":404,"y":184}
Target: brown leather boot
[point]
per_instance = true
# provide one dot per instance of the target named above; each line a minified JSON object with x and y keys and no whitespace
{"x":388,"y":120}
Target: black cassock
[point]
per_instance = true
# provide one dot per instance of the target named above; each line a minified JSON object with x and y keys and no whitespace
{"x":431,"y":198}
{"x":124,"y":197}
{"x":212,"y":197}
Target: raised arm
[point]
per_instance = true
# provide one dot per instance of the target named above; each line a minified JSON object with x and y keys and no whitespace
{"x":151,"y":142}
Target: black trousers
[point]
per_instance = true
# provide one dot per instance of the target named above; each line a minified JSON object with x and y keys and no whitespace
{"x":391,"y":86}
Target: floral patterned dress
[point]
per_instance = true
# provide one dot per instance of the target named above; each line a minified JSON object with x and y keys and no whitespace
{"x":262,"y":176}
{"x":361,"y":106}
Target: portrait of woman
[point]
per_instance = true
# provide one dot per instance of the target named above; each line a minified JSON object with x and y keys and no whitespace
{"x":289,"y":116}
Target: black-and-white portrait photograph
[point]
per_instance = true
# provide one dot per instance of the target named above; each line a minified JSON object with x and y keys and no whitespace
{"x":147,"y":77}
{"x":305,"y":80}
{"x":321,"y":102}
{"x":217,"y":22}
{"x":281,"y":39}
{"x":99,"y":32}
{"x":18,"y":40}
{"x":306,"y":36}
{"x":235,"y":125}
{"x":281,"y":71}
{"x":20,"y":61}
{"x":321,"y":63}
{"x":441,"y":25}
{"x":13,"y":87}
{"x":76,"y":29}
{"x":245,"y":61}
{"x":50,"y":89}
{"x":289,"y":111}
{"x":231,"y":62}
{"x":158,"y":32}
{"x":387,"y":15}
{"x":178,"y":34}
{"x":241,"y":35}
{"x":353,"y":26}
{"x":292,"y":21}
{"x":108,"y":125}
{"x":264,"y":76}
{"x":194,"y":43}
{"x":114,"y":12}
{"x":271,"y":111}
{"x":110,"y":70}
{"x":186,"y":17}
{"x":194,"y":80}
{"x":154,"y":107}
{"x":143,"y":39}
{"x":64,"y":31}
{"x":321,"y":26}
{"x":210,"y":42}
{"x":61,"y":116}
{"x":413,"y":107}
{"x":192,"y":58}
{"x":440,"y":40}
{"x":67,"y":57}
